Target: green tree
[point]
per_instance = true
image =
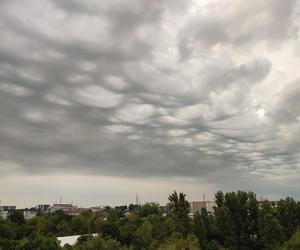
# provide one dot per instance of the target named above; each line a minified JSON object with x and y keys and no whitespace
{"x":179,"y":205}
{"x":144,"y":235}
{"x":39,"y":243}
{"x":225,"y":227}
{"x":188,"y":243}
{"x":127,"y":232}
{"x":110,"y":229}
{"x":205,"y":227}
{"x":7,"y":229}
{"x":271,"y":231}
{"x":180,"y":208}
{"x":294,"y":242}
{"x":16,"y":216}
{"x":287,"y":212}
{"x":237,"y":217}
{"x":148,"y":208}
{"x":97,"y":243}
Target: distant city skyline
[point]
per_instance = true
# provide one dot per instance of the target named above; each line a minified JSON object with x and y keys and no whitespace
{"x":100,"y":100}
{"x":100,"y":197}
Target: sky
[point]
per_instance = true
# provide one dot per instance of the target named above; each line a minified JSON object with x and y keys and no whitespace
{"x":100,"y":100}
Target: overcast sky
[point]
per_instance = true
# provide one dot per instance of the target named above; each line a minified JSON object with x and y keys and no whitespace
{"x":100,"y":100}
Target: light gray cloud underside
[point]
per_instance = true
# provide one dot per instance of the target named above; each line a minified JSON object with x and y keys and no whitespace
{"x":150,"y":88}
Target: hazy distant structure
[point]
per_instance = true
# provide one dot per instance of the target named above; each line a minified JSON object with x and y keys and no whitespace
{"x":29,"y":213}
{"x":137,"y":199}
{"x":67,"y":207}
{"x":197,"y":206}
{"x":43,"y":208}
{"x":5,"y":210}
{"x":3,"y":214}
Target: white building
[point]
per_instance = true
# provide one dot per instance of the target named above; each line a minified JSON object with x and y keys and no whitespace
{"x":71,"y":240}
{"x":4,"y":214}
{"x":4,"y":211}
{"x":29,"y":214}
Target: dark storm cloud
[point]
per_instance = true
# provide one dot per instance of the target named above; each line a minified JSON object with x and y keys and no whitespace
{"x":148,"y":88}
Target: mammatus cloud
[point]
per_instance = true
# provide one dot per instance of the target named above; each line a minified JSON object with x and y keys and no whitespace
{"x":151,"y":89}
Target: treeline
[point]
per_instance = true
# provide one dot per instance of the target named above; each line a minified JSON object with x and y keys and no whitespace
{"x":239,"y":222}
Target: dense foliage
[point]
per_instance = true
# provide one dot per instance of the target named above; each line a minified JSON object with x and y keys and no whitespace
{"x":239,"y":222}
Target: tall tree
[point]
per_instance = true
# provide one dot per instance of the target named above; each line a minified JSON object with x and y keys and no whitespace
{"x":288,"y":216}
{"x":238,"y":212}
{"x":179,"y":205}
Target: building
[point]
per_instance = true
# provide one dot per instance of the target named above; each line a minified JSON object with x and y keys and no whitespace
{"x":29,"y":213}
{"x":77,"y":211}
{"x":66,"y":207}
{"x":70,"y":240}
{"x":7,"y":208}
{"x":197,"y":206}
{"x":97,"y":209}
{"x":43,"y":208}
{"x":4,"y":214}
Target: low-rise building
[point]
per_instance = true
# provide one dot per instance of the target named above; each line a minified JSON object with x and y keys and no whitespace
{"x":4,"y":214}
{"x":7,"y":208}
{"x":197,"y":206}
{"x":29,"y":213}
{"x":77,"y":211}
{"x":66,"y":207}
{"x":70,"y":240}
{"x":97,"y":209}
{"x":43,"y":208}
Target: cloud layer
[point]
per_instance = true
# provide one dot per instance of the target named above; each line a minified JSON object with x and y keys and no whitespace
{"x":144,"y":88}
